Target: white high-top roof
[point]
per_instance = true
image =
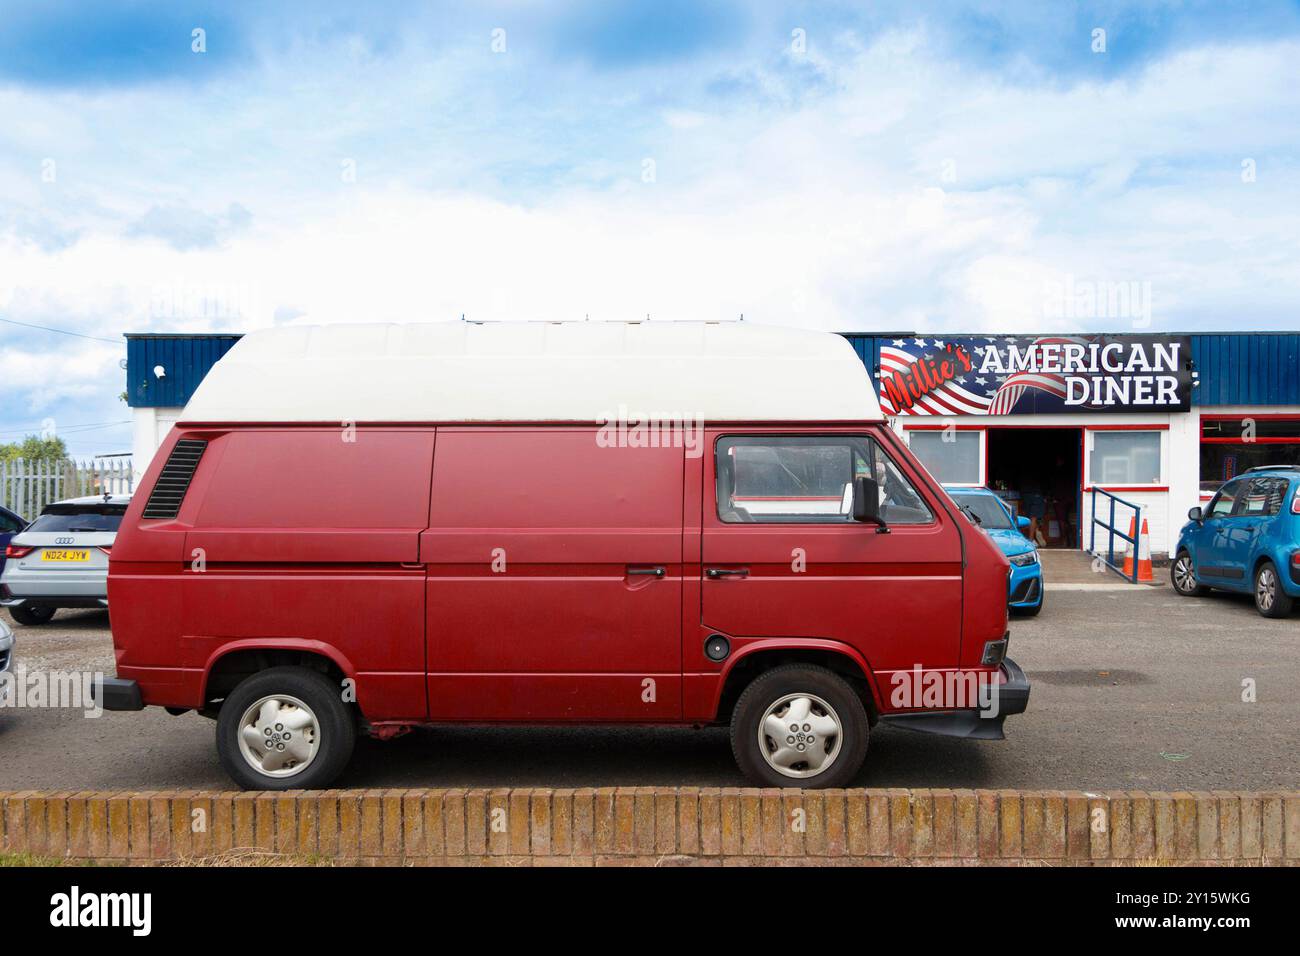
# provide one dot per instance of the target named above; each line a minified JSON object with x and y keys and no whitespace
{"x":536,"y":372}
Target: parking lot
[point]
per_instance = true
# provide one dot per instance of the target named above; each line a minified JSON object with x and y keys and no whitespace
{"x":1134,"y":688}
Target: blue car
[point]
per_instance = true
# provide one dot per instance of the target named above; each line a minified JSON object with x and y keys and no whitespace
{"x":10,"y":524}
{"x":1025,"y":589}
{"x":1247,"y":540}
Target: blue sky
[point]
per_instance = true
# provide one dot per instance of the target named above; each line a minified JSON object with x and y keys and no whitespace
{"x":941,"y":166}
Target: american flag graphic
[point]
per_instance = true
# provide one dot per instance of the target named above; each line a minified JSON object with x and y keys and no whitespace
{"x":969,"y":393}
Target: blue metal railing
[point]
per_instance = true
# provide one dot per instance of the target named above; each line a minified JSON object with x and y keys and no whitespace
{"x":1114,"y":532}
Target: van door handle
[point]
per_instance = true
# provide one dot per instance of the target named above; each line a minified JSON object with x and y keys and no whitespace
{"x":652,"y":572}
{"x":716,"y":573}
{"x":413,"y":565}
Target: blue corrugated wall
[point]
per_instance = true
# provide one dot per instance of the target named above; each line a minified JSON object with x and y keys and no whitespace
{"x":1260,"y":368}
{"x":184,"y":358}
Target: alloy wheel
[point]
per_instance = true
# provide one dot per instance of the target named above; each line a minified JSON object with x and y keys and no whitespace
{"x":1184,"y":578}
{"x":800,"y":735}
{"x":1265,"y":589}
{"x":279,"y":736}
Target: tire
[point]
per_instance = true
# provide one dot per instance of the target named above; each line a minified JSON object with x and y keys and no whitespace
{"x":32,"y":616}
{"x":1270,"y":599}
{"x":1181,"y":569}
{"x":833,"y":704}
{"x":280,"y":695}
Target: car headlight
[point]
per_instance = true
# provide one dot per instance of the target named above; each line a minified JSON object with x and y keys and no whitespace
{"x":1022,"y":560}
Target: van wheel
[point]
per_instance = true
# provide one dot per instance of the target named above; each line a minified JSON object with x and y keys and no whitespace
{"x":32,"y":616}
{"x":1270,"y":599}
{"x":285,"y":728}
{"x":799,"y":725}
{"x":1183,"y":577}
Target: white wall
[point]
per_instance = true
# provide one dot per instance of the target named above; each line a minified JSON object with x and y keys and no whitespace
{"x":149,"y":427}
{"x":1179,"y":466}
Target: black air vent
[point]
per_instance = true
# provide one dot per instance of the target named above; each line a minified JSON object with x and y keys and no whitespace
{"x":167,"y":495}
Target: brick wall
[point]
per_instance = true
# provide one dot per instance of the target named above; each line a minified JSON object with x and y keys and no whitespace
{"x":655,"y":825}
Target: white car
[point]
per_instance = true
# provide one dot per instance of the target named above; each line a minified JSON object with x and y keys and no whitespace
{"x":61,"y":558}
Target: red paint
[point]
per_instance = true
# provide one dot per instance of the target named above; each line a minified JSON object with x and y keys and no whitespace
{"x":477,"y":573}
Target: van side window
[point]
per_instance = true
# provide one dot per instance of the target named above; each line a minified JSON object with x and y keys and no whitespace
{"x":802,"y":480}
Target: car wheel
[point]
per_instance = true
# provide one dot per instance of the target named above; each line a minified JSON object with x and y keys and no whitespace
{"x":1183,"y":577}
{"x":285,"y":728}
{"x":1270,"y":599}
{"x":32,"y":616}
{"x":799,"y":725}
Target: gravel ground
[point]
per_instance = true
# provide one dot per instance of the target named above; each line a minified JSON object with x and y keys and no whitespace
{"x":1133,"y":688}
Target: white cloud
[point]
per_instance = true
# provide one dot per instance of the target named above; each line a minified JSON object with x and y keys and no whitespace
{"x":839,"y":212}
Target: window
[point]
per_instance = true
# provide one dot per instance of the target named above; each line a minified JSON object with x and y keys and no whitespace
{"x":1125,"y":458}
{"x":1229,"y":446}
{"x":993,"y":516}
{"x":1262,"y":497}
{"x":1250,"y":429}
{"x":802,"y":479}
{"x":79,"y":518}
{"x":1221,"y":506}
{"x":9,"y":523}
{"x":951,"y":456}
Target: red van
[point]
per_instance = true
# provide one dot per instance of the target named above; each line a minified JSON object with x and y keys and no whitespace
{"x":365,"y":528}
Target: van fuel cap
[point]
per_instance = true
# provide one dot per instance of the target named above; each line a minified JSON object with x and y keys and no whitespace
{"x":717,"y":647}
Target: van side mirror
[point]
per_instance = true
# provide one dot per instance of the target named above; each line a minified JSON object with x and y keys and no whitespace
{"x":1195,"y":514}
{"x":1022,"y":523}
{"x":866,"y":503}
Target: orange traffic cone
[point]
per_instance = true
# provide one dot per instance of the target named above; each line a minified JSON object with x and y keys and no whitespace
{"x":1144,"y":556}
{"x":1124,"y":545}
{"x":1143,"y":553}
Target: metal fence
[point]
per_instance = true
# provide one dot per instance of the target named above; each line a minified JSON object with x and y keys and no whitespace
{"x":28,"y":486}
{"x":1109,"y":555}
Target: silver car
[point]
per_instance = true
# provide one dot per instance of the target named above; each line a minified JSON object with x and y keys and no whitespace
{"x":6,"y":647}
{"x":61,"y":558}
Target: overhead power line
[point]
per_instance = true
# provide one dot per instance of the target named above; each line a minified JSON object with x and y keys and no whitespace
{"x":47,"y":328}
{"x":65,"y":429}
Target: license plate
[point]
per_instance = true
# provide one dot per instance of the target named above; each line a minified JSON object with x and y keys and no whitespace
{"x":56,"y":554}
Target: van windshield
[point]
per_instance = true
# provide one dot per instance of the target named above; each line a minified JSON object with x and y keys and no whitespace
{"x":79,"y":518}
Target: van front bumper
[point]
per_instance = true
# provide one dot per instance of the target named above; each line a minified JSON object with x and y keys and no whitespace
{"x":115,"y":693}
{"x":1013,"y":695}
{"x":1012,"y":698}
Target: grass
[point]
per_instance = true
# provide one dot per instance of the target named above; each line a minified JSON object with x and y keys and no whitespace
{"x":32,"y":859}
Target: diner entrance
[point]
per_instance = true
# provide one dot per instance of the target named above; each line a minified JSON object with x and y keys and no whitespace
{"x":1038,"y":473}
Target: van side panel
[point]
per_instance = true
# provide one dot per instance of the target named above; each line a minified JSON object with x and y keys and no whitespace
{"x":535,"y":609}
{"x":298,"y":537}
